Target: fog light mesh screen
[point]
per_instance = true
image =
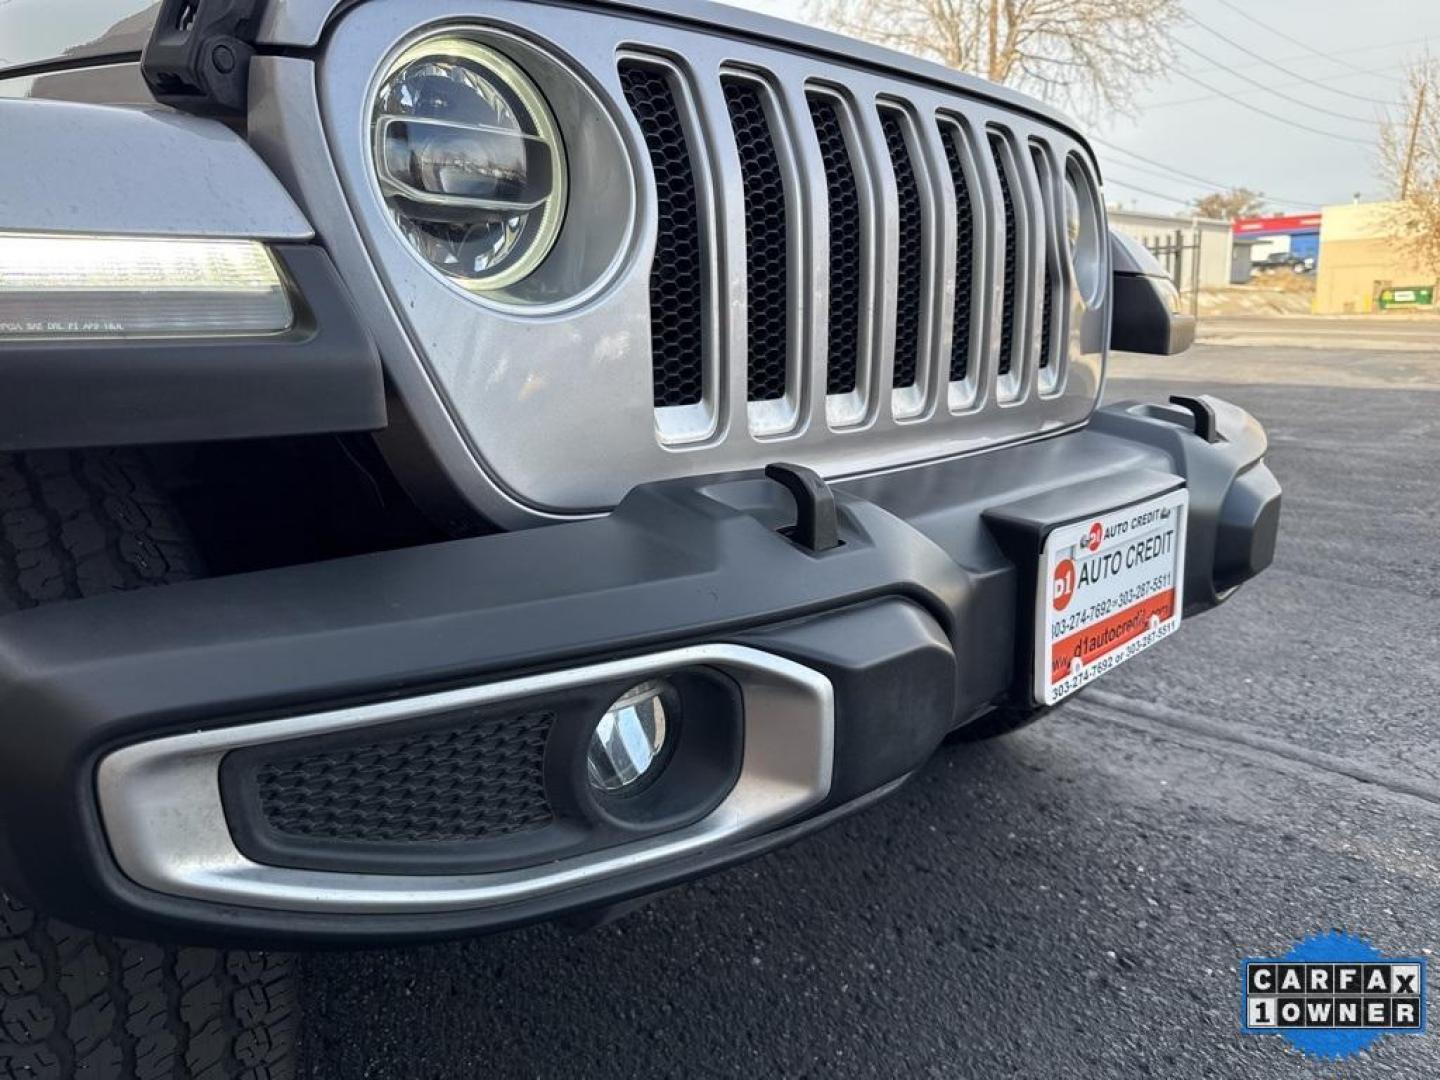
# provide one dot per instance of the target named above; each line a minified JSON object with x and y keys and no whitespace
{"x":468,"y":781}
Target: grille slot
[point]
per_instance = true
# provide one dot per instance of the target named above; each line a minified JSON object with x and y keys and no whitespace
{"x":677,"y":290}
{"x":911,"y":267}
{"x":467,"y":781}
{"x":767,"y":262}
{"x":846,"y":250}
{"x":964,"y":255}
{"x":1049,"y":213}
{"x":1012,"y":254}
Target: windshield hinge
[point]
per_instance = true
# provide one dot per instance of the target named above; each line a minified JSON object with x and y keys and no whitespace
{"x":198,"y":55}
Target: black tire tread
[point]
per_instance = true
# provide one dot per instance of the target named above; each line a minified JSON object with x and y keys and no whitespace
{"x":75,"y":524}
{"x":74,"y":1004}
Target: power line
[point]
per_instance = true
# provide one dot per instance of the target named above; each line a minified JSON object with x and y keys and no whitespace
{"x":1288,"y":121}
{"x":1271,"y":90}
{"x":1198,"y":98}
{"x":1287,"y":37}
{"x":1215,"y":184}
{"x":1277,"y":67}
{"x":1147,"y":191}
{"x":1405,"y":43}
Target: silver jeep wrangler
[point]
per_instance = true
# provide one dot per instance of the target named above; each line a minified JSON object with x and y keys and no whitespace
{"x":582,"y":445}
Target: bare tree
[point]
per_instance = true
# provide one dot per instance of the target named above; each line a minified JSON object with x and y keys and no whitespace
{"x":1238,"y":202}
{"x":1410,"y":156}
{"x":1086,"y":55}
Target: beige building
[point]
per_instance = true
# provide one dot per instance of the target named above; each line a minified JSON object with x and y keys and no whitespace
{"x":1359,"y":256}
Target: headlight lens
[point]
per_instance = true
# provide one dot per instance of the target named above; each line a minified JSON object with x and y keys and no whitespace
{"x":1072,"y":213}
{"x":629,"y":739}
{"x":1083,"y":232}
{"x":470,"y":162}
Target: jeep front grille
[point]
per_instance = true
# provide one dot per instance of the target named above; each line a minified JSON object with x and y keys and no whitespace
{"x":904,"y":295}
{"x":826,"y":258}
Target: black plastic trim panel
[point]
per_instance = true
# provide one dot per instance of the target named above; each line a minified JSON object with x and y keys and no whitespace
{"x":913,"y":617}
{"x":322,"y":376}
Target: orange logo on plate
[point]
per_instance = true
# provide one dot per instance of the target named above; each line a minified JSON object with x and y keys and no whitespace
{"x":1096,"y":535}
{"x":1063,"y":587}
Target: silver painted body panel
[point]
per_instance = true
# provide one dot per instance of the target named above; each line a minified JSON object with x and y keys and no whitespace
{"x":555,"y":411}
{"x":161,"y":806}
{"x":107,"y":169}
{"x":302,"y":23}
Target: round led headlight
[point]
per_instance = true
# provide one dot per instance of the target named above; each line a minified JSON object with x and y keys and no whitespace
{"x":1083,"y":232}
{"x":470,"y":162}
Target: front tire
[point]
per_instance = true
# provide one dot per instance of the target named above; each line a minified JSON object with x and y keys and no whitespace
{"x":75,"y":1004}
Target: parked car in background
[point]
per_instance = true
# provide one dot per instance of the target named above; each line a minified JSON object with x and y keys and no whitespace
{"x":1284,"y":262}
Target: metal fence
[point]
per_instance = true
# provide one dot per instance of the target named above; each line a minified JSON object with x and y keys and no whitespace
{"x":1179,"y":254}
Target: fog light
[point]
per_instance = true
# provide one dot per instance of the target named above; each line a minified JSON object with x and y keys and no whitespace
{"x":629,"y":738}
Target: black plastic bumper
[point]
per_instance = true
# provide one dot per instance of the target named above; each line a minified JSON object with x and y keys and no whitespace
{"x":918,"y":619}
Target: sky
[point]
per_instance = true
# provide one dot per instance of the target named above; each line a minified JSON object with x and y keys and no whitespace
{"x":1301,"y":157}
{"x":1356,"y":50}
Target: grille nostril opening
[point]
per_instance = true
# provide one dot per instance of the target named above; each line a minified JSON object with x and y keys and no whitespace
{"x":1012,"y":245}
{"x":964,"y":256}
{"x":843,"y":200}
{"x":1048,"y":211}
{"x":767,"y":261}
{"x":911,"y":267}
{"x":676,"y":276}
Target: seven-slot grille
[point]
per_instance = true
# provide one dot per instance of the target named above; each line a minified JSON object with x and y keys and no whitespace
{"x":1015,"y":210}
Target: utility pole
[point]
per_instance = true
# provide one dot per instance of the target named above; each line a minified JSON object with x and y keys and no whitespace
{"x":1414,"y":138}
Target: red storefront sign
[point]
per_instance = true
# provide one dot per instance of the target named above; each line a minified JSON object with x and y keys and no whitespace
{"x":1289,"y":223}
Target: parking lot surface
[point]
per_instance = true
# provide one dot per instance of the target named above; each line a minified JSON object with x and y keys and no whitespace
{"x":1071,"y":901}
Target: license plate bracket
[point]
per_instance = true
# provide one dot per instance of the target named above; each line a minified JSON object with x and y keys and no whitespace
{"x":1109,"y":586}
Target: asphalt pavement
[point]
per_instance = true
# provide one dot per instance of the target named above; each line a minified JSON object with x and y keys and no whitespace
{"x":1069,"y":902}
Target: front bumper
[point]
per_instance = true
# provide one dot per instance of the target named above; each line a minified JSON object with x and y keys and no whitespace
{"x":868,"y":655}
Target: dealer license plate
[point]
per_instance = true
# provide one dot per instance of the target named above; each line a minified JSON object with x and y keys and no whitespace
{"x":1110,"y":587}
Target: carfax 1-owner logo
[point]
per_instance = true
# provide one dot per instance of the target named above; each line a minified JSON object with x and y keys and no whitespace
{"x":1110,"y":587}
{"x":1333,"y":995}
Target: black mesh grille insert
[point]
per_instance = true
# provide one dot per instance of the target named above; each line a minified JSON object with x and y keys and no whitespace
{"x":1012,"y":245}
{"x":845,"y":247}
{"x":1047,"y":300}
{"x":767,"y":261}
{"x":911,"y":267}
{"x":964,"y":256}
{"x":466,"y":782}
{"x":676,"y":280}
